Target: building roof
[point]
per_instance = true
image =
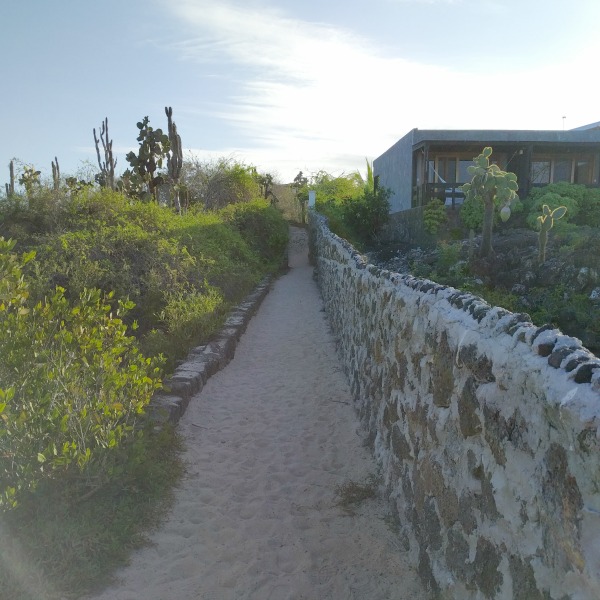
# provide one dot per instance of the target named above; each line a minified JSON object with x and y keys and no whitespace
{"x":509,"y":136}
{"x":595,"y":125}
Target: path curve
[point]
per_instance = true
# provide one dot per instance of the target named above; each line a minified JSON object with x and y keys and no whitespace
{"x":268,"y":440}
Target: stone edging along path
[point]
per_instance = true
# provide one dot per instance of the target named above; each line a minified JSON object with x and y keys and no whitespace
{"x":169,"y":404}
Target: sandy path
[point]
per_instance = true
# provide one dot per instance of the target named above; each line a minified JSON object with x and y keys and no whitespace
{"x":267,"y":441}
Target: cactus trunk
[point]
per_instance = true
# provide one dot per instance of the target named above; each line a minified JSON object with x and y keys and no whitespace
{"x":10,"y":187}
{"x":174,"y":158}
{"x":55,"y":174}
{"x":488,"y":224}
{"x":543,"y":241}
{"x":107,"y":166}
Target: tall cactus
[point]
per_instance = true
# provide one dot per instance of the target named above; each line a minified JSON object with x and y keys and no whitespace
{"x":546,"y":221}
{"x":30,"y":179}
{"x":174,"y":158}
{"x":10,"y":187}
{"x":55,"y":174}
{"x":154,"y":148}
{"x":107,"y":166}
{"x":490,"y":186}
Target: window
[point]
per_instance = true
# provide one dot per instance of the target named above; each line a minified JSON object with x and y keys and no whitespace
{"x":540,"y":171}
{"x":562,"y":170}
{"x":583,"y":172}
{"x":463,"y":174}
{"x":451,"y":170}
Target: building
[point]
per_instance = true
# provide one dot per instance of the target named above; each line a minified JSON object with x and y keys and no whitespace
{"x":428,"y":164}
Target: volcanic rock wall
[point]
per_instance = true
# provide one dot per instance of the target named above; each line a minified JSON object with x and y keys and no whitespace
{"x":485,"y":426}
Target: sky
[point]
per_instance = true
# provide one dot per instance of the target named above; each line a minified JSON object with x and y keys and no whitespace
{"x":284,"y":85}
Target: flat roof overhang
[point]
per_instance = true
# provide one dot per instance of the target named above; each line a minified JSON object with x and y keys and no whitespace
{"x":468,"y":139}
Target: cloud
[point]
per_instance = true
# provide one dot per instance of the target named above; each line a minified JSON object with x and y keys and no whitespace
{"x":307,"y":89}
{"x":315,"y":95}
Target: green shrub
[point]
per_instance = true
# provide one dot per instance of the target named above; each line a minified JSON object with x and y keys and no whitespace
{"x":59,"y":544}
{"x":589,"y":208}
{"x":102,"y":239}
{"x":434,"y":216}
{"x":188,"y":316}
{"x":553,"y":200}
{"x":368,"y":213}
{"x":73,"y":383}
{"x":471,"y":213}
{"x":261,"y":226}
{"x":583,"y":203}
{"x":336,"y":219}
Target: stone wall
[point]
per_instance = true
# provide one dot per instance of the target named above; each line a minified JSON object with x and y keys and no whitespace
{"x":406,"y":227}
{"x":485,"y":427}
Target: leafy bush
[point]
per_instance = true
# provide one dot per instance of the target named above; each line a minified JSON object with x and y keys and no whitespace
{"x":434,"y":216}
{"x":471,"y":213}
{"x":553,"y":200}
{"x":589,"y":208}
{"x":261,"y":226}
{"x":188,"y":316}
{"x":368,"y":213}
{"x":583,"y":203}
{"x":73,"y":383}
{"x":216,"y":184}
{"x":58,"y":544}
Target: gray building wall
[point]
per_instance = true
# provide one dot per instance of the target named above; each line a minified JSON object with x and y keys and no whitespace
{"x":394,"y":169}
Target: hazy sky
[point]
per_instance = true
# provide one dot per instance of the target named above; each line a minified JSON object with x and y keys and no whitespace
{"x":288,"y":85}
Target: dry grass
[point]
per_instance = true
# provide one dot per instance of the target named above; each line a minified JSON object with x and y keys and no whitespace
{"x":352,"y":493}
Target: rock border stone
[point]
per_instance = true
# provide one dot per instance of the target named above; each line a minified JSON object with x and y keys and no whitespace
{"x":190,"y":376}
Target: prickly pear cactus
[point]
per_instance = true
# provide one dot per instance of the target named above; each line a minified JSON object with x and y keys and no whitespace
{"x":491,"y":185}
{"x":546,"y":222}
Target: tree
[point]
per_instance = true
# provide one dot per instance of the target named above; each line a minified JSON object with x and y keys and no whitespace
{"x":220,"y":182}
{"x":301,"y":192}
{"x":491,"y":186}
{"x":265,"y":183}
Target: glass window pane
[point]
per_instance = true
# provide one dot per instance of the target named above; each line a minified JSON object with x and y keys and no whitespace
{"x":463,"y":174}
{"x":562,"y":170}
{"x":582,"y":172}
{"x":540,"y":171}
{"x":451,"y":170}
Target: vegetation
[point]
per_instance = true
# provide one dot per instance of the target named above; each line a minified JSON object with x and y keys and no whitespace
{"x":546,"y":221}
{"x":100,"y":294}
{"x":491,"y":187}
{"x":143,"y":179}
{"x":557,"y":284}
{"x":215,"y":184}
{"x":356,"y":208}
{"x":583,"y":204}
{"x":434,"y":216}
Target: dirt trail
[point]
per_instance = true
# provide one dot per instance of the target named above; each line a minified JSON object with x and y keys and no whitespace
{"x":268,"y":440}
